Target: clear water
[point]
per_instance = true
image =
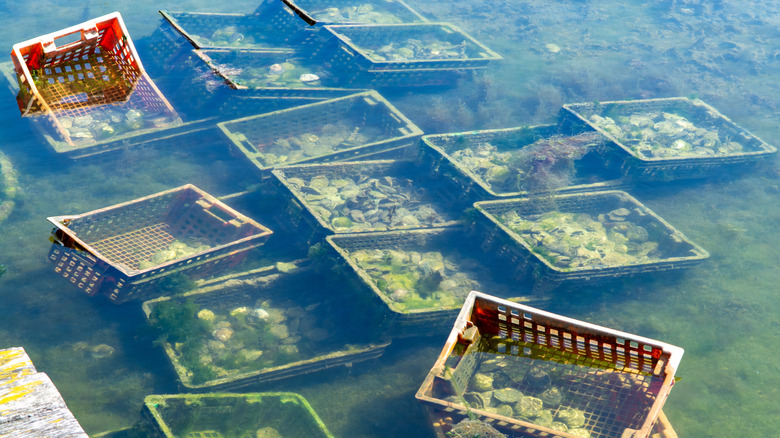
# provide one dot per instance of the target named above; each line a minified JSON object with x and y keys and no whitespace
{"x":723,"y":312}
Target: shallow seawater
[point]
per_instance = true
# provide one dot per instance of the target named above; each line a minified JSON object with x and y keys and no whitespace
{"x":723,"y":312}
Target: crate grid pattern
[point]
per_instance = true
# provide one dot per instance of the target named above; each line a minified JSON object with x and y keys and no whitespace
{"x":574,"y":116}
{"x":499,"y":235}
{"x":618,"y":380}
{"x":438,"y":146}
{"x":122,"y":235}
{"x":294,"y":14}
{"x":354,"y":39}
{"x":251,"y":134}
{"x":198,"y":28}
{"x":84,"y":277}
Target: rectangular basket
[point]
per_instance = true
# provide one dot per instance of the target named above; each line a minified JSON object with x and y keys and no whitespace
{"x":124,"y":251}
{"x":601,"y":381}
{"x":205,"y":30}
{"x":674,"y":249}
{"x":563,"y":163}
{"x":361,"y":47}
{"x":89,"y":92}
{"x":319,"y":319}
{"x":364,"y":124}
{"x":435,"y":201}
{"x":226,"y":414}
{"x":253,"y":72}
{"x":692,"y":139}
{"x":403,"y":256}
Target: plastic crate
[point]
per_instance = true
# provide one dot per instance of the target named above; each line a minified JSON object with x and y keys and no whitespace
{"x":206,"y":30}
{"x":127,"y":250}
{"x":577,"y":161}
{"x":90,"y":92}
{"x":608,"y":383}
{"x":310,"y":328}
{"x":361,"y":48}
{"x":232,"y":415}
{"x":616,"y":211}
{"x":256,"y":73}
{"x":697,"y":141}
{"x":287,"y":14}
{"x":449,"y":265}
{"x":357,"y":125}
{"x":435,"y":201}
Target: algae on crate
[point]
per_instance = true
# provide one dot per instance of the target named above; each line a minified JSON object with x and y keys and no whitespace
{"x":578,"y":240}
{"x":419,"y":279}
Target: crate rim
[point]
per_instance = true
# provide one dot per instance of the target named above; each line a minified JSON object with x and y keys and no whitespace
{"x":334,"y":30}
{"x":428,"y":143}
{"x":463,"y":321}
{"x":311,"y":21}
{"x":173,"y":21}
{"x":768,"y":149}
{"x":700,"y":253}
{"x":60,"y":222}
{"x":151,"y":399}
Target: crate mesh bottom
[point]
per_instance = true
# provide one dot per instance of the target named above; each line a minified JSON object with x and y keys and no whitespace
{"x":131,"y":248}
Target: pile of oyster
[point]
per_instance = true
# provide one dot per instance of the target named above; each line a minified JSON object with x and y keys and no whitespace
{"x":513,"y":387}
{"x":249,"y":338}
{"x":577,"y":240}
{"x":230,"y":36}
{"x":177,"y":249}
{"x":415,"y":280}
{"x":328,"y":139}
{"x":359,"y":13}
{"x":112,"y":121}
{"x":287,"y":74}
{"x":368,"y":203}
{"x":416,"y":50}
{"x":547,"y":163}
{"x":666,"y":135}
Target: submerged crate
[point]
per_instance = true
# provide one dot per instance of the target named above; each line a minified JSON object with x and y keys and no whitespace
{"x":528,"y":371}
{"x":91,"y":92}
{"x":272,"y":74}
{"x":584,"y":236}
{"x":502,"y":163}
{"x":206,"y":30}
{"x":415,"y":54}
{"x":313,"y":12}
{"x":668,"y":138}
{"x":344,"y":128}
{"x":271,"y":326}
{"x":128,"y":250}
{"x":420,"y":277}
{"x":266,"y":414}
{"x":364,"y":196}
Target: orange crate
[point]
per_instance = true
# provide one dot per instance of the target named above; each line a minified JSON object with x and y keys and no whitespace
{"x":76,"y":79}
{"x":591,"y":380}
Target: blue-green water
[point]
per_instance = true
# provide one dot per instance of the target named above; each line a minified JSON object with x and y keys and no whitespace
{"x":723,"y":312}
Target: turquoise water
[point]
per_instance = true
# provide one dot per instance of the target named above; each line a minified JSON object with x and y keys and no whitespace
{"x":723,"y":312}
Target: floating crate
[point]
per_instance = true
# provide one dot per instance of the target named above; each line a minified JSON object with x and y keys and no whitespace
{"x":251,"y":72}
{"x":91,"y":92}
{"x":123,"y":251}
{"x":463,"y":265}
{"x":228,"y":415}
{"x":366,"y":123}
{"x":357,"y":52}
{"x":436,"y":201}
{"x":578,"y":158}
{"x":287,"y":14}
{"x":673,"y":250}
{"x":315,"y":328}
{"x":633,"y":120}
{"x":206,"y":30}
{"x":608,"y":383}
